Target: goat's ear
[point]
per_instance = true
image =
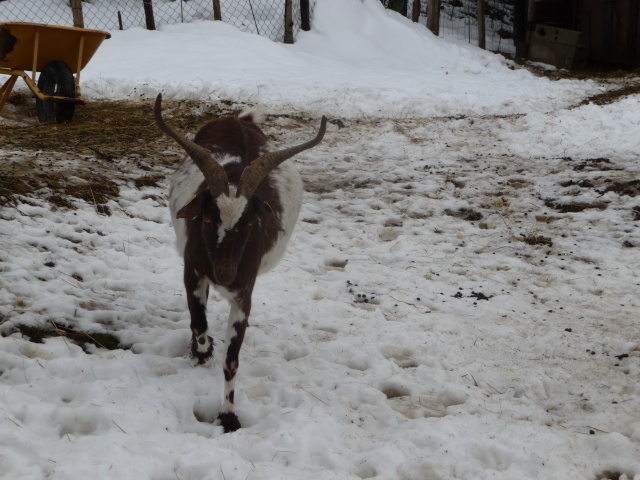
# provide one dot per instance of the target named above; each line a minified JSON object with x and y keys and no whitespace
{"x":193,"y":206}
{"x":253,"y":115}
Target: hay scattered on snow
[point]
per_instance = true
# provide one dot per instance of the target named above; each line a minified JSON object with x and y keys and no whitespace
{"x":107,"y":144}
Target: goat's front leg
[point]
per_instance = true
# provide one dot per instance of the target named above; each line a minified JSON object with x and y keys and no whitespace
{"x":238,"y":321}
{"x":197,"y":288}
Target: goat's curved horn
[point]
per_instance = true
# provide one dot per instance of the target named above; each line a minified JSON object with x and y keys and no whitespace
{"x":256,"y":172}
{"x":214,"y":174}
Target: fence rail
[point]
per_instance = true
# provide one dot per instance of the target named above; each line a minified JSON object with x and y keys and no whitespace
{"x":264,"y":17}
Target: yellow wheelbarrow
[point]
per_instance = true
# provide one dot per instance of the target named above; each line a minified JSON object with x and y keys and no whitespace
{"x":58,"y":53}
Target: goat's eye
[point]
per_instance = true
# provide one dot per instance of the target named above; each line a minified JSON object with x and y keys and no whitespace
{"x":207,"y":220}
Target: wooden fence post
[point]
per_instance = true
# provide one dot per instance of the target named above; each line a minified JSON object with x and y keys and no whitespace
{"x":288,"y":21}
{"x":481,"y":33}
{"x":433,"y":16}
{"x":415,"y":12}
{"x":305,"y":15}
{"x":148,"y":15}
{"x":217,"y":13}
{"x":633,"y":34}
{"x":520,"y":27}
{"x":76,"y":9}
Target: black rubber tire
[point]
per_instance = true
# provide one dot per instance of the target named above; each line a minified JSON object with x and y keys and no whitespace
{"x":57,"y":79}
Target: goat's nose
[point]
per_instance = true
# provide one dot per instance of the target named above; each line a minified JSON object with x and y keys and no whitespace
{"x":225,"y":274}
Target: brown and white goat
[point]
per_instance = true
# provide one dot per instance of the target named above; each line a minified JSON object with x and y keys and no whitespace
{"x":233,"y":207}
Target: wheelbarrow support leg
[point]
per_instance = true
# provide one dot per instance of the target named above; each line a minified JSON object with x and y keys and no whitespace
{"x":5,"y":90}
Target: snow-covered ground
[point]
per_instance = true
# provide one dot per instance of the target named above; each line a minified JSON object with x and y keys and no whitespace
{"x":460,"y":298}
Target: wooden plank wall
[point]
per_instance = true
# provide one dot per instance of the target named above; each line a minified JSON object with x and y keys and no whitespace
{"x":612,"y":31}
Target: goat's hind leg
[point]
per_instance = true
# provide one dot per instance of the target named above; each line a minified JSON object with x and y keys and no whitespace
{"x":197,"y":295}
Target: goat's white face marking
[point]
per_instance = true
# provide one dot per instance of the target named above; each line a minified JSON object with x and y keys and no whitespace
{"x":231,"y":209}
{"x":226,"y":158}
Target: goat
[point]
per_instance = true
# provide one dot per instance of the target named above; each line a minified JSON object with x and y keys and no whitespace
{"x":233,"y":206}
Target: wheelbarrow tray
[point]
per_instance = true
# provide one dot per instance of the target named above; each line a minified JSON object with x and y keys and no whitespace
{"x":39,"y":44}
{"x":60,"y":53}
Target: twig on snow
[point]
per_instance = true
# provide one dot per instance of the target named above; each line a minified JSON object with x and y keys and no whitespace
{"x":121,"y":429}
{"x":301,"y":387}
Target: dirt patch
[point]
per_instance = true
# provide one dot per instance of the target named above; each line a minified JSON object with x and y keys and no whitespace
{"x":581,"y":183}
{"x":595,"y":164}
{"x":576,"y":207}
{"x":612,"y":95}
{"x":58,"y":186}
{"x":546,"y":218}
{"x":518,"y":183}
{"x":630,"y":188}
{"x":602,"y":73}
{"x":534,"y":239}
{"x":148,"y":181}
{"x":620,"y":83}
{"x":322,"y":184}
{"x":467,"y":214}
{"x":107,"y":341}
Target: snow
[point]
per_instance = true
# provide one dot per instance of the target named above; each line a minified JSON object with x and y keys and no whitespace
{"x":397,"y":339}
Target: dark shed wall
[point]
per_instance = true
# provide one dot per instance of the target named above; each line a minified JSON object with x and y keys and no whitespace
{"x":558,"y":13}
{"x":611,"y":32}
{"x":610,"y":28}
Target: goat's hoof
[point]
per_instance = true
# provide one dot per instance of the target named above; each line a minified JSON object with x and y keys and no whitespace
{"x":229,"y":422}
{"x":196,"y":347}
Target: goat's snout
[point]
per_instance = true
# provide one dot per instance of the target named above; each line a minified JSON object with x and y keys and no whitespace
{"x":225,"y":273}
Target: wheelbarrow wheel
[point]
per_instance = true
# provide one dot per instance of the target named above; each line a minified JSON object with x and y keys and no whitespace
{"x":56,"y":79}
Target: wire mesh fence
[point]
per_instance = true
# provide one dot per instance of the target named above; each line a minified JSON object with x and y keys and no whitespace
{"x":459,"y":19}
{"x":263,"y":17}
{"x":46,"y":11}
